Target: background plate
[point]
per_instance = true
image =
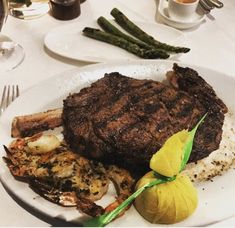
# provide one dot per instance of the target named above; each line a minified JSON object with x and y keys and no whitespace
{"x":68,"y":41}
{"x":216,"y":199}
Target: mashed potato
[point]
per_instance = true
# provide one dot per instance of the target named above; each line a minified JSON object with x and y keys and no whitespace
{"x":218,"y":161}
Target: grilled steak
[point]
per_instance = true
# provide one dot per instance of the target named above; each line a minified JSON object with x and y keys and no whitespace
{"x":125,"y":121}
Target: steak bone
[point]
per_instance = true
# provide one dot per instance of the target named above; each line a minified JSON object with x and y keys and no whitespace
{"x":28,"y":125}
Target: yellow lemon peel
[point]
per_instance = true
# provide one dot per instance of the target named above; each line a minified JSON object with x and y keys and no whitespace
{"x":167,"y":161}
{"x":166,"y":203}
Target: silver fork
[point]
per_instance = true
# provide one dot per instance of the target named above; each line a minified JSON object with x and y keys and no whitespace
{"x":9,"y":94}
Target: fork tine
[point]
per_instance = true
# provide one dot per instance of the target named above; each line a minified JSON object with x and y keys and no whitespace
{"x":17,"y":91}
{"x":3,"y":98}
{"x":8,"y":95}
{"x":13,"y":93}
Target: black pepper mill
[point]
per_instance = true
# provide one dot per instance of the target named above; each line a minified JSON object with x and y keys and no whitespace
{"x":65,"y":9}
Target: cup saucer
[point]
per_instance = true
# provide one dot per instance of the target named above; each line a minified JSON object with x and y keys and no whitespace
{"x":164,"y":16}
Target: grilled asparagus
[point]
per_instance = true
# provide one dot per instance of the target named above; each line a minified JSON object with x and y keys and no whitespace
{"x":134,"y":30}
{"x":110,"y":28}
{"x":122,"y":43}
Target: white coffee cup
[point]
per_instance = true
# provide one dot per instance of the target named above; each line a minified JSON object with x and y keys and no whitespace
{"x":182,"y":10}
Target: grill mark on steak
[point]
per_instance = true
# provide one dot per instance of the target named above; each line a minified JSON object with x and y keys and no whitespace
{"x":108,"y":115}
{"x":124,"y":121}
{"x":149,"y":121}
{"x":178,"y":104}
{"x":119,"y":123}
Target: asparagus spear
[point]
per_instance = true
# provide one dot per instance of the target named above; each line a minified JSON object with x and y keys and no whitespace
{"x":108,"y":27}
{"x":134,"y":30}
{"x":122,"y":43}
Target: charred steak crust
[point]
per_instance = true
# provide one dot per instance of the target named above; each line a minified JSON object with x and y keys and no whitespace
{"x":210,"y":133}
{"x":125,"y":121}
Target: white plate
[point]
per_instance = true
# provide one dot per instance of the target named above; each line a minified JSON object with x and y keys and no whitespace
{"x":163,"y":11}
{"x":216,"y":199}
{"x":68,"y":41}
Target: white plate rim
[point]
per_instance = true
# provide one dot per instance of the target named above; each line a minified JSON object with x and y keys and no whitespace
{"x":93,"y":68}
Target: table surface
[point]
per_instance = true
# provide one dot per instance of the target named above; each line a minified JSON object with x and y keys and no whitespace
{"x":212,"y":46}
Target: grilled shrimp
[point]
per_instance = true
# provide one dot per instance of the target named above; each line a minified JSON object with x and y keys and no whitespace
{"x":64,"y":177}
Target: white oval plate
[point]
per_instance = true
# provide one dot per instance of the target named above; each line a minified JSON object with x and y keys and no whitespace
{"x":68,"y":41}
{"x":216,"y":199}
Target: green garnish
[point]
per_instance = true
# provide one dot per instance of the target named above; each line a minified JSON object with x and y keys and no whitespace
{"x":189,"y":145}
{"x":108,"y":217}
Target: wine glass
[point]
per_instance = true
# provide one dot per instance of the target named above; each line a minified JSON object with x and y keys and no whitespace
{"x":11,"y":54}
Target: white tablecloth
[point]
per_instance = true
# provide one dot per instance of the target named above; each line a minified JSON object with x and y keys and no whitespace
{"x":212,"y":45}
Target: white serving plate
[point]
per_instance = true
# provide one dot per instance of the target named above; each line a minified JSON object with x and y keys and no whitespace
{"x":216,"y":199}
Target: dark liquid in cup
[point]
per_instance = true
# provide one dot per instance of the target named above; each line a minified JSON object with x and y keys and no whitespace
{"x":65,"y":9}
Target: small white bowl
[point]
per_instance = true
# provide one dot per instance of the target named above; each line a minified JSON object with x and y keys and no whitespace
{"x":163,"y":17}
{"x":182,"y":11}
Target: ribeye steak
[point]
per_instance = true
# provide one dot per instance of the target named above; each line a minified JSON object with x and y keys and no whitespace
{"x":124,"y":121}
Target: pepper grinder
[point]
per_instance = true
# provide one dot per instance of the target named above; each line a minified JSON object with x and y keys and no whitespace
{"x":65,"y":9}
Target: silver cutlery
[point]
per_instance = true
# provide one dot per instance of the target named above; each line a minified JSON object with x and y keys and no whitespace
{"x":205,"y":6}
{"x":215,"y":3}
{"x":9,"y":94}
{"x":208,"y":5}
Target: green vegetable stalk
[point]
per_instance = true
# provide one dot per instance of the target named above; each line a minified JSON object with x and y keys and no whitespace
{"x":108,"y":217}
{"x":110,"y":28}
{"x":134,"y":30}
{"x":122,"y":43}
